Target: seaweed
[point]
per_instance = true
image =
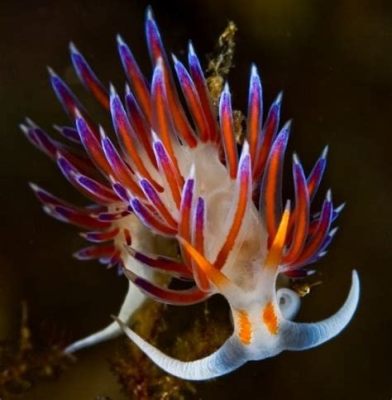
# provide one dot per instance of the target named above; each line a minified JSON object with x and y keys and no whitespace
{"x":26,"y":361}
{"x":221,"y":62}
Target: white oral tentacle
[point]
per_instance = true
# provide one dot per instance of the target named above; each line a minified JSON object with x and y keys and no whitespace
{"x":289,"y":303}
{"x":303,"y":336}
{"x":227,"y":358}
{"x":133,"y":300}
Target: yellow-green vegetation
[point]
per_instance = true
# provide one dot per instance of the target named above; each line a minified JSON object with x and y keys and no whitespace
{"x":170,"y":329}
{"x":219,"y":65}
{"x":221,"y":61}
{"x":26,"y":361}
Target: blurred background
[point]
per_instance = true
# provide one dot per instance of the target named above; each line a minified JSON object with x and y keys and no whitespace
{"x":333,"y":61}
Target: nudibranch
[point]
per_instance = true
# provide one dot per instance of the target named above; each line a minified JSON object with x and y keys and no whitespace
{"x":177,"y":176}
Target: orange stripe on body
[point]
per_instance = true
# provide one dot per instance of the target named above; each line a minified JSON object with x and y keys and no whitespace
{"x":270,"y":318}
{"x":245,"y":327}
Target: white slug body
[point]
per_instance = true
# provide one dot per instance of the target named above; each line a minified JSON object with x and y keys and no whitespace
{"x":185,"y":183}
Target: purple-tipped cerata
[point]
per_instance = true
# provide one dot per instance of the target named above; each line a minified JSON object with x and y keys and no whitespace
{"x":173,"y":171}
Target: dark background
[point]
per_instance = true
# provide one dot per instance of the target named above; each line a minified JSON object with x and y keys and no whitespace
{"x":333,"y":61}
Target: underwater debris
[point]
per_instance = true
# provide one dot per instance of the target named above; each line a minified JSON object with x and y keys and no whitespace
{"x":220,"y":62}
{"x":303,"y":288}
{"x":25,"y":363}
{"x":219,"y":65}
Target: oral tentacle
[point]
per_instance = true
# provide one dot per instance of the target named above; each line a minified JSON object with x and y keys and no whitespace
{"x":302,"y":336}
{"x":226,"y":359}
